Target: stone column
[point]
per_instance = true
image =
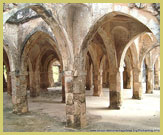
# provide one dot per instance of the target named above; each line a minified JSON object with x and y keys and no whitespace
{"x":75,"y":99}
{"x":97,"y":82}
{"x":129,"y":79}
{"x":116,"y":87}
{"x":79,"y":99}
{"x":34,"y":84}
{"x":157,"y":79}
{"x":44,"y":80}
{"x":137,"y":83}
{"x":4,"y":84}
{"x":9,"y":90}
{"x":60,"y":74}
{"x":19,"y":92}
{"x":105,"y":80}
{"x":149,"y":80}
{"x":108,"y":83}
{"x":63,"y":87}
{"x":50,"y":77}
{"x":68,"y":78}
{"x":88,"y":79}
{"x":28,"y":84}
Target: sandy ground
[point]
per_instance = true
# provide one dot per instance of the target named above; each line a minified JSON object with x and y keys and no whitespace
{"x":47,"y":114}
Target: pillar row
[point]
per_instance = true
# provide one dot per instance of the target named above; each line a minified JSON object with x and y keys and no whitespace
{"x":149,"y":80}
{"x":137,"y":83}
{"x":19,"y":93}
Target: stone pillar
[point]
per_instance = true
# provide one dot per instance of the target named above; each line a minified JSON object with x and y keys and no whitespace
{"x":60,"y":74}
{"x":44,"y":80}
{"x":9,"y":89}
{"x":116,"y":87}
{"x":97,"y":82}
{"x":157,"y":79}
{"x":50,"y":77}
{"x":105,"y":79}
{"x":34,"y":84}
{"x":129,"y":79}
{"x":108,"y":83}
{"x":28,"y":84}
{"x":68,"y":78}
{"x":125,"y":78}
{"x":4,"y":84}
{"x":79,"y":99}
{"x":75,"y":99}
{"x":88,"y":80}
{"x":19,"y":92}
{"x":149,"y":80}
{"x":137,"y":83}
{"x":63,"y":88}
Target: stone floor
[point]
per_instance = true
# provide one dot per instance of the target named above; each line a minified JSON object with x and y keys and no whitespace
{"x":47,"y":114}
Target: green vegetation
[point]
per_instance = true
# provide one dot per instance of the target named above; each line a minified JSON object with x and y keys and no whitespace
{"x":55,"y":73}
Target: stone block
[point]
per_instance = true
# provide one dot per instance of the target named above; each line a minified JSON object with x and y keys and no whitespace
{"x":79,"y":97}
{"x":70,"y":120}
{"x":69,"y":86}
{"x":70,"y":110}
{"x":69,"y":99}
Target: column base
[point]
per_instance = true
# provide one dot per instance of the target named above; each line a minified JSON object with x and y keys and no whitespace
{"x":88,"y":87}
{"x":18,"y":109}
{"x":157,"y":88}
{"x":76,"y":121}
{"x":63,"y":101}
{"x":96,"y":94}
{"x":137,"y":97}
{"x":114,"y":107}
{"x":115,"y":100}
{"x":137,"y":91}
{"x":149,"y":92}
{"x":128,"y":87}
{"x":9,"y":94}
{"x":33,"y":93}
